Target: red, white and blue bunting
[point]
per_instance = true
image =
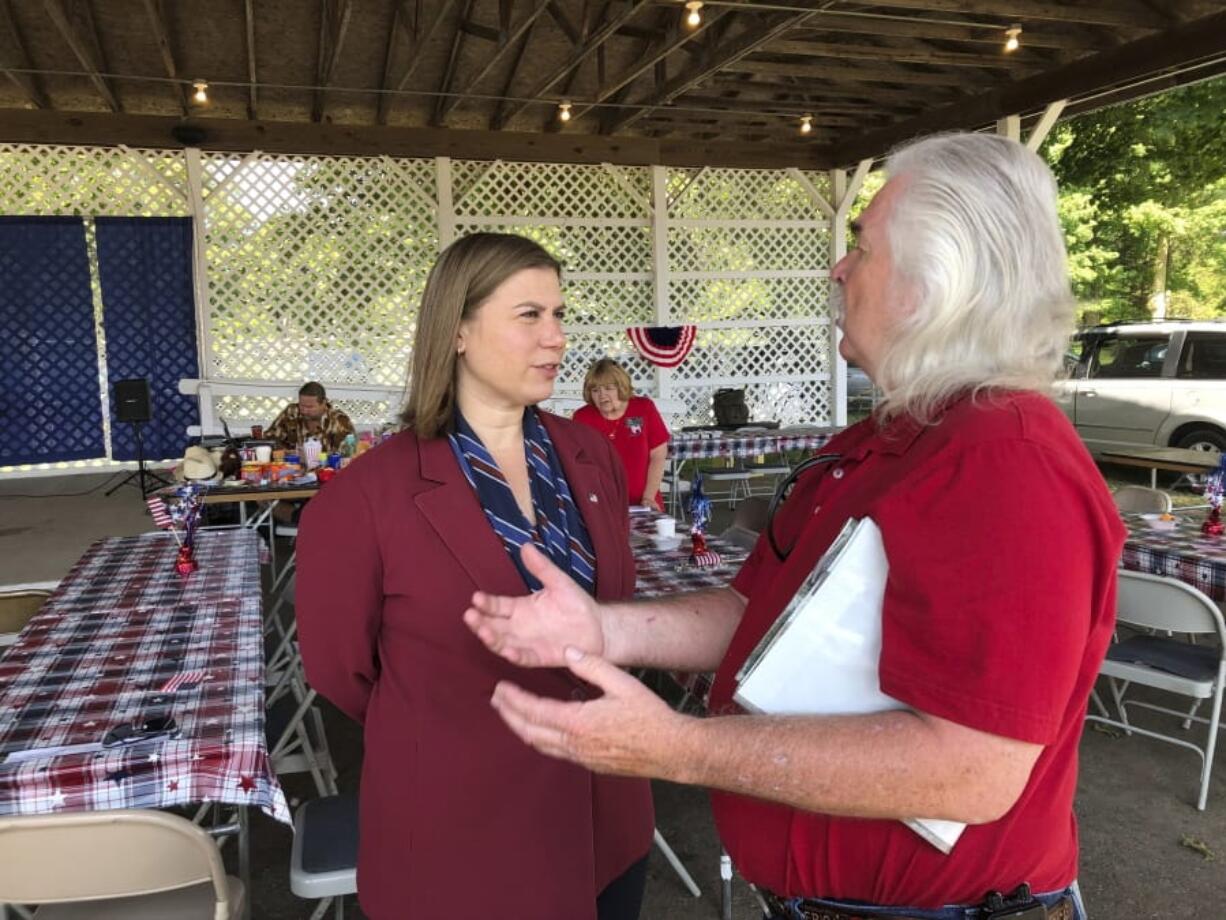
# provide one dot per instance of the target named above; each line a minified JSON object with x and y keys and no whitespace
{"x":663,"y":346}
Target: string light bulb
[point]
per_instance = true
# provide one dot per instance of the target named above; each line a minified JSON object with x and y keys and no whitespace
{"x":1012,"y":35}
{"x":694,"y":19}
{"x":806,"y":124}
{"x":564,"y":111}
{"x":201,"y":95}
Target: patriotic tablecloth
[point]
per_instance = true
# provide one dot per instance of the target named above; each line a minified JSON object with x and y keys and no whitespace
{"x":698,"y":445}
{"x":1183,"y":553}
{"x":126,"y":639}
{"x":662,"y":572}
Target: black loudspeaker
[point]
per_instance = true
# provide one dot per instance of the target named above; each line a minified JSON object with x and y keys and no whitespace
{"x":132,"y":400}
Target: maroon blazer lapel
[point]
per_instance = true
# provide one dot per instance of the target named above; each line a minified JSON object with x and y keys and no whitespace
{"x":453,"y":511}
{"x":602,"y":510}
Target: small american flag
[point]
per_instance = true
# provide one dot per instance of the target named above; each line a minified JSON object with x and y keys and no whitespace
{"x":161,"y":516}
{"x":707,"y":558}
{"x":182,"y":679}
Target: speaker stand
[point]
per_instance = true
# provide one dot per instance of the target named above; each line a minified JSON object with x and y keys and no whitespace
{"x":138,"y":476}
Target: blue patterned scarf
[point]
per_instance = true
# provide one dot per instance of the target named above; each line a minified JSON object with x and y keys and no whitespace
{"x":558,"y":531}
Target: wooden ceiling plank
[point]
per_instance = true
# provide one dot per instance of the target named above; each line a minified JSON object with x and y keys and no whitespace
{"x":28,"y":83}
{"x":860,"y":73}
{"x":678,"y":37}
{"x":504,"y":21}
{"x":449,"y":71}
{"x":715,"y":59}
{"x":1196,"y":40}
{"x":1101,"y":14}
{"x":918,"y":27}
{"x":415,"y":55}
{"x":157,"y":22}
{"x":84,"y":51}
{"x":862,"y":92}
{"x":500,"y":107}
{"x":569,"y":29}
{"x":333,"y":26}
{"x":253,"y":101}
{"x":913,"y":54}
{"x":477,"y":30}
{"x":580,"y":54}
{"x":450,"y":102}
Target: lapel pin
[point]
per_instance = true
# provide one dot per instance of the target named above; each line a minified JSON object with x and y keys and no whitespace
{"x":591,"y":496}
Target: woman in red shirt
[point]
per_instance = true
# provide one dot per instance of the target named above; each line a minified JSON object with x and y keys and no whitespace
{"x":632,"y":423}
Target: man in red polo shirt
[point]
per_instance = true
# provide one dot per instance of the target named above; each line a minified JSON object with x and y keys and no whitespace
{"x":1002,"y":543}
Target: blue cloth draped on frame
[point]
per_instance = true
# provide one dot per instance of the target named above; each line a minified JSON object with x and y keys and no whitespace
{"x":558,"y":531}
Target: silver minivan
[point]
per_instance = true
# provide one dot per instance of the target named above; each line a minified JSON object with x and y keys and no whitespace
{"x":1160,"y":384}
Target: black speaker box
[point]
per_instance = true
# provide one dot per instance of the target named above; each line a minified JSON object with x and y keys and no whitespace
{"x":132,"y":400}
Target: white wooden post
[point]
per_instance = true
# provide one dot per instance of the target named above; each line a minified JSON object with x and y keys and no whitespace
{"x":1046,"y":122}
{"x":844,"y":192}
{"x":1010,"y":126}
{"x":446,"y":206}
{"x":659,"y":265}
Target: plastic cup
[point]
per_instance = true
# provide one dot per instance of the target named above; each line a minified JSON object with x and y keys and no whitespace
{"x":666,"y":527}
{"x":263,"y":453}
{"x":257,"y":432}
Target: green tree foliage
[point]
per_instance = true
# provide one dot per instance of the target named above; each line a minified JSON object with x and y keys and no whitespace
{"x":1143,"y":204}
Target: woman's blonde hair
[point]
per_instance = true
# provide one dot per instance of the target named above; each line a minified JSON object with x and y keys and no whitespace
{"x":464,"y":277}
{"x":606,"y":370}
{"x":977,"y":245}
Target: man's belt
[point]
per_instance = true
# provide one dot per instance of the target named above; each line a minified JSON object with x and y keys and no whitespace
{"x":815,"y":910}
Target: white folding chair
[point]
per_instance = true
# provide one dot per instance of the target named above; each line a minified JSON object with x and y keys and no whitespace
{"x":1153,"y":602}
{"x":127,"y":864}
{"x":324,"y":859}
{"x":1140,"y":499}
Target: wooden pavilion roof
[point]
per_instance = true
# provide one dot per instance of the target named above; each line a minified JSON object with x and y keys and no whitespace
{"x":485,"y":78}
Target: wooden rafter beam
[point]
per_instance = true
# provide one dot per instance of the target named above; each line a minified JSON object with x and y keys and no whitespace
{"x":333,"y":26}
{"x":905,"y":54}
{"x":569,"y":29}
{"x":868,"y":94}
{"x":419,"y":42}
{"x":86,"y":49}
{"x":714,"y":59}
{"x":157,"y":22}
{"x":253,"y":100}
{"x":1083,"y":11}
{"x":447,"y":84}
{"x":798,"y":105}
{"x":678,"y":37}
{"x":917,"y":27}
{"x":859,"y":73}
{"x":477,"y":30}
{"x":1198,"y":40}
{"x":237,"y":134}
{"x":495,"y":60}
{"x":510,"y":78}
{"x":19,"y":61}
{"x":577,"y":57}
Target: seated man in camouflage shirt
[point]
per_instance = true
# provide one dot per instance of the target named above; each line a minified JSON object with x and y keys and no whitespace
{"x":311,"y":417}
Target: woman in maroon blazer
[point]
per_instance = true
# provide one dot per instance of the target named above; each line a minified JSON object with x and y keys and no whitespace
{"x":459,"y":818}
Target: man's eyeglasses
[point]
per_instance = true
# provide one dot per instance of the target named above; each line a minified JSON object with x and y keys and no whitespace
{"x":135,"y":732}
{"x":781,"y":494}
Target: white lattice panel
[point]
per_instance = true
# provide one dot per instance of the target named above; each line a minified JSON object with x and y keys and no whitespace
{"x":549,"y":190}
{"x":788,"y":402}
{"x":244,"y":411}
{"x":742,"y":194}
{"x":600,"y":302}
{"x":584,"y":248}
{"x":92,"y":181}
{"x":763,"y":299}
{"x":316,"y":265}
{"x":756,"y":352}
{"x":585,"y":347}
{"x":748,"y":249}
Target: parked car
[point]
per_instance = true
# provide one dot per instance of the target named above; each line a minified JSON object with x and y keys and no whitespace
{"x":861,"y":394}
{"x":1160,"y":384}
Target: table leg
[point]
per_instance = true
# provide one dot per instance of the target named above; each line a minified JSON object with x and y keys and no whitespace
{"x":1153,"y":478}
{"x":244,"y":858}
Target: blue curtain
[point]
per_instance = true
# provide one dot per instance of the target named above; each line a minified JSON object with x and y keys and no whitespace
{"x":148,"y":310}
{"x":50,"y":402}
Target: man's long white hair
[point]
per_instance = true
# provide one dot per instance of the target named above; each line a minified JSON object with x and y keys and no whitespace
{"x":978,"y":251}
